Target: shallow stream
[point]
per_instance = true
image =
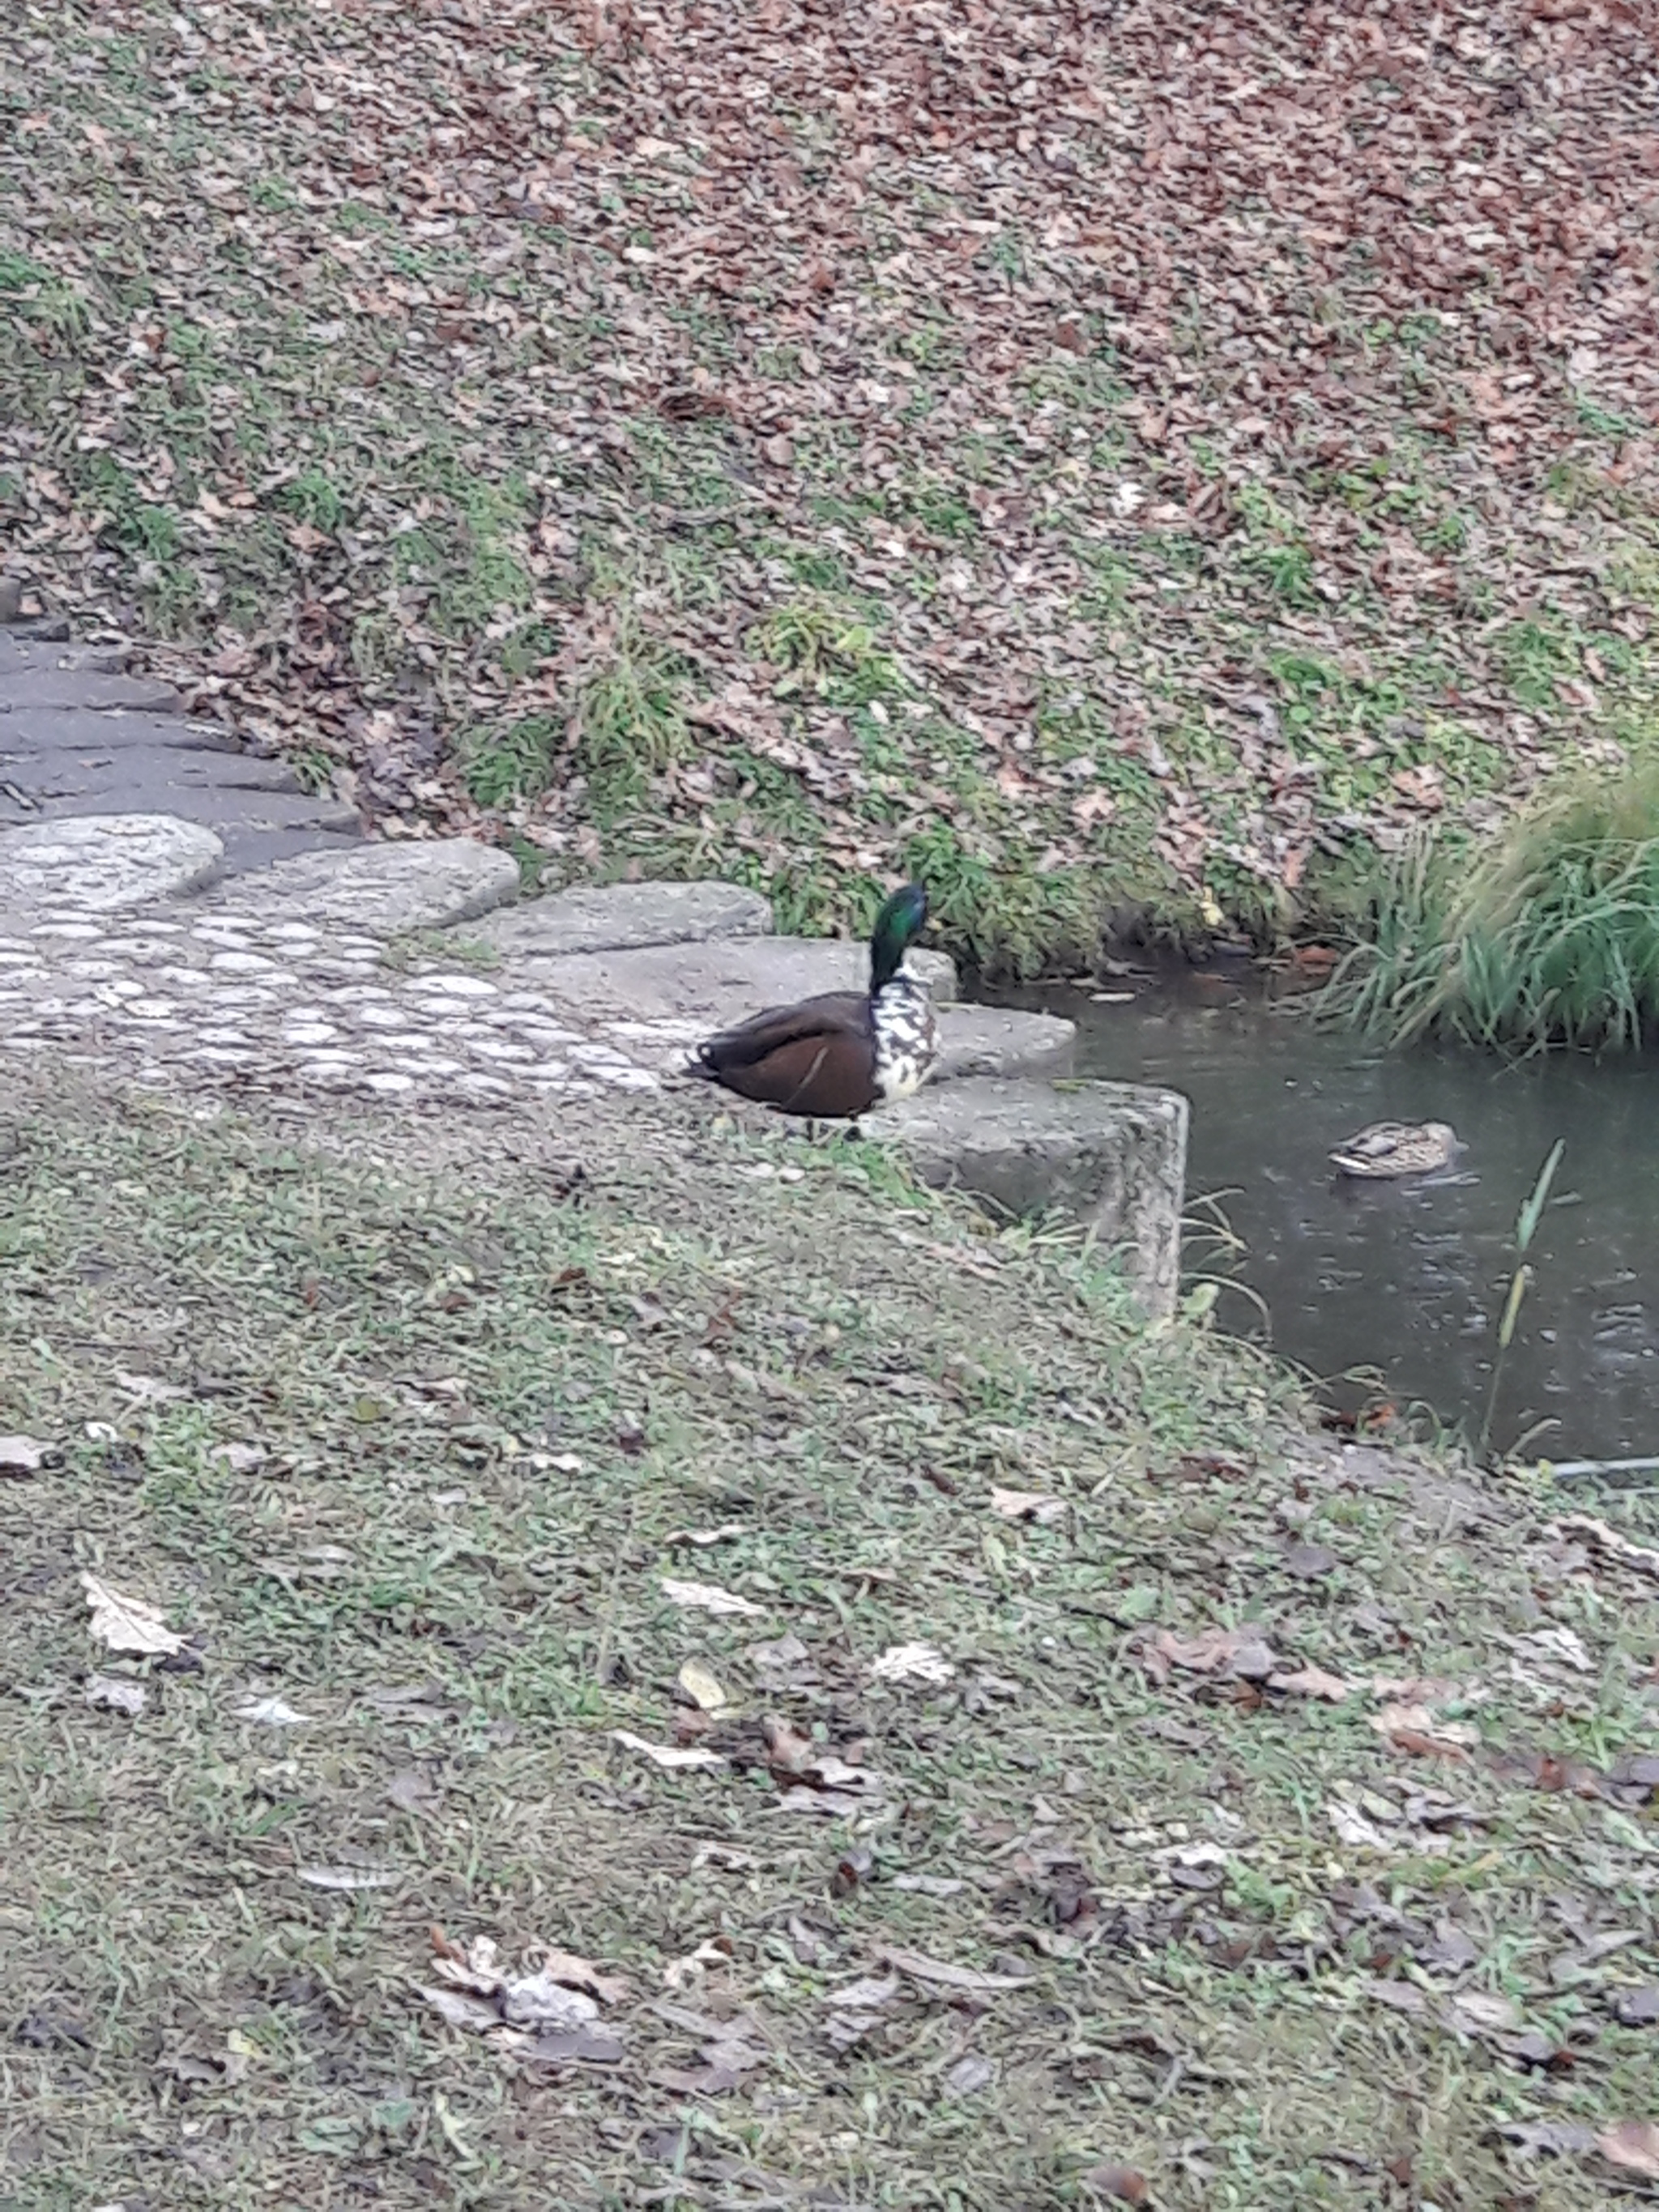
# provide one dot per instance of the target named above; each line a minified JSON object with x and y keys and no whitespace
{"x":1406,"y":1281}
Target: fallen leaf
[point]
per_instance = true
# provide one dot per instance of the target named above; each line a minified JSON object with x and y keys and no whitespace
{"x":666,"y":1754}
{"x":930,"y":1885}
{"x":1243,"y":1652}
{"x":239,"y":1457}
{"x":1027,"y":1506}
{"x":1415,"y":1729}
{"x":413,"y":1791}
{"x":1638,"y":2007}
{"x":580,"y":1973}
{"x":866,"y":1996}
{"x":461,"y":2011}
{"x":970,"y":2074}
{"x":1311,"y":1682}
{"x":127,"y":1624}
{"x":147,"y":1390}
{"x":1557,"y":2138}
{"x":1124,"y":2184}
{"x":942,"y":1974}
{"x":911,"y":1662}
{"x":1354,"y":1829}
{"x":271,"y":1712}
{"x":1633,"y":2145}
{"x":706,"y":1598}
{"x":1309,"y":1561}
{"x":116,"y":1695}
{"x":702,"y":1687}
{"x":596,"y":2046}
{"x":1644,"y":1558}
{"x":348,"y":1877}
{"x":24,"y":1456}
{"x":1478,"y":2012}
{"x":541,"y":2002}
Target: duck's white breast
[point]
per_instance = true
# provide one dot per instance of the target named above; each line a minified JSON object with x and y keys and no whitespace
{"x":906,"y":1037}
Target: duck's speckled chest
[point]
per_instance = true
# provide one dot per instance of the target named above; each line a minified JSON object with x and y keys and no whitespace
{"x":906,"y":1037}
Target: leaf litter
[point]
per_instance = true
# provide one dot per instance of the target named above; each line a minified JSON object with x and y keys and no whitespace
{"x":1230,"y":436}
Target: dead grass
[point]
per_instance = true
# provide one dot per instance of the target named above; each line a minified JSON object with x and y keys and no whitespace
{"x":484,"y":1403}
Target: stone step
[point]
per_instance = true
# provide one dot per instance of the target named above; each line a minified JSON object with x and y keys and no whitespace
{"x":381,"y":890}
{"x":85,"y":690}
{"x":58,"y":772}
{"x":1113,"y":1156}
{"x":21,"y":650}
{"x":101,"y":863}
{"x":706,"y":987}
{"x":83,"y":730}
{"x":998,"y":1041}
{"x":224,"y":806}
{"x":622,"y":917}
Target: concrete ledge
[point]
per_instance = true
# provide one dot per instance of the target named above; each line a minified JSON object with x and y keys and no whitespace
{"x":1112,"y":1155}
{"x":622,"y":917}
{"x":997,"y":1041}
{"x":702,"y":988}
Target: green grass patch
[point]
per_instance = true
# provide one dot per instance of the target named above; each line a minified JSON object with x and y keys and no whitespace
{"x":1551,"y":938}
{"x":413,"y":1453}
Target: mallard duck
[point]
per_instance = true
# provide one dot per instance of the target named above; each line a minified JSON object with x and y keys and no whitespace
{"x":1398,"y":1148}
{"x":834,"y":1057}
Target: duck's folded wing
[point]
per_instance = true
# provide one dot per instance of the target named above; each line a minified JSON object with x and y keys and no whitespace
{"x":812,"y":1057}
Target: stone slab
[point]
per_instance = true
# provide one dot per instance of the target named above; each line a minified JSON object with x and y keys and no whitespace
{"x":82,"y":730}
{"x":383,"y":890}
{"x":708,"y":987}
{"x":58,"y":772}
{"x":103,"y":863}
{"x":20,"y":651}
{"x":997,"y":1041}
{"x":42,"y":685}
{"x":224,"y":806}
{"x":621,"y":917}
{"x":1111,"y":1155}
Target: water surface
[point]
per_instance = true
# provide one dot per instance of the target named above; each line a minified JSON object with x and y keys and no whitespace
{"x":1409,"y":1278}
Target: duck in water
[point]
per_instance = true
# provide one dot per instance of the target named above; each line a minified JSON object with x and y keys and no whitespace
{"x":1398,"y":1148}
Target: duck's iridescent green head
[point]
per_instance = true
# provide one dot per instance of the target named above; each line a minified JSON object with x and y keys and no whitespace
{"x":901,"y":922}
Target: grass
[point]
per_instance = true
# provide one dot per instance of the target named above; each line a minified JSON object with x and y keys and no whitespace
{"x":1552,"y":937}
{"x":410,"y":1448}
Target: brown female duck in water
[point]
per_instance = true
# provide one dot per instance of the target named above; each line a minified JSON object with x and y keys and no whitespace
{"x":1398,"y":1148}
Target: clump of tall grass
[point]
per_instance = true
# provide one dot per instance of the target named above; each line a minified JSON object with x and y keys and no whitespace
{"x":1551,"y":937}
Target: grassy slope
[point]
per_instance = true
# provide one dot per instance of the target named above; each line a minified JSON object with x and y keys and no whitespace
{"x":1139,"y":463}
{"x":839,"y":1376}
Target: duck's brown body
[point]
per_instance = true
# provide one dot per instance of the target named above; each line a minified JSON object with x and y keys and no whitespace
{"x":817,"y":1058}
{"x":832,"y":1058}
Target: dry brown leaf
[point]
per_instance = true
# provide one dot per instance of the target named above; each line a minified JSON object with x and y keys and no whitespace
{"x":1124,"y":2184}
{"x":115,"y":1694}
{"x":669,"y":1755}
{"x":348,"y":1877}
{"x":1245,"y":1652}
{"x":707,"y":1598}
{"x":1633,"y":2145}
{"x":1027,"y":1506}
{"x":1415,"y":1729}
{"x":702,"y":1686}
{"x":940,"y":1973}
{"x":911,"y":1662}
{"x":127,"y":1624}
{"x":1312,"y":1682}
{"x":23,"y":1456}
{"x":1644,"y":1558}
